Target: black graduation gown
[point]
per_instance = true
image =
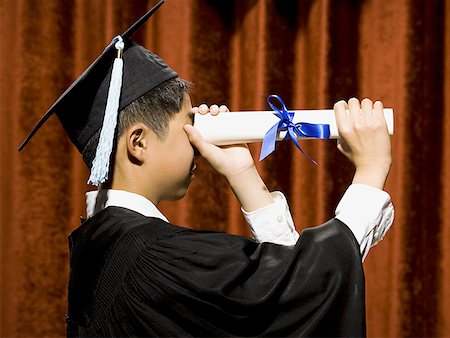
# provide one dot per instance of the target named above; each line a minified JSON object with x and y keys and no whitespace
{"x":133,"y":275}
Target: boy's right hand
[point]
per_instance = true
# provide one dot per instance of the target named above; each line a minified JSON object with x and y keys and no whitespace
{"x":364,"y":140}
{"x":229,"y":161}
{"x":235,"y":163}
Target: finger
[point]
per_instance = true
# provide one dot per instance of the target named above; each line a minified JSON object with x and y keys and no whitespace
{"x":197,"y":140}
{"x":367,"y":109}
{"x":224,"y":109}
{"x":340,"y":144}
{"x":340,"y":112}
{"x":214,"y":109}
{"x":378,"y":110}
{"x":354,"y":109}
{"x":203,"y":109}
{"x":378,"y":114}
{"x":194,"y":110}
{"x":340,"y":105}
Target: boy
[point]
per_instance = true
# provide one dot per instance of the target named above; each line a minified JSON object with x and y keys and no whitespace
{"x":135,"y":274}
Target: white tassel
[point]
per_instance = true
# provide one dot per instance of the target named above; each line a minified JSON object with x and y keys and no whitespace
{"x":100,"y":165}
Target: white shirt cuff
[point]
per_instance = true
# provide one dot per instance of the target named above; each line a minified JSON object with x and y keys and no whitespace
{"x":273,"y":223}
{"x":368,"y":212}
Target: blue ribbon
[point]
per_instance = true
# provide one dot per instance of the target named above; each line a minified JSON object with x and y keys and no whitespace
{"x":300,"y":129}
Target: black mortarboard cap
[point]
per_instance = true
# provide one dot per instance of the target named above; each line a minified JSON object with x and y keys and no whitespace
{"x":81,"y":108}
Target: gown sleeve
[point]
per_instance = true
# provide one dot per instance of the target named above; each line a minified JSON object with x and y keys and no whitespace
{"x":198,"y":283}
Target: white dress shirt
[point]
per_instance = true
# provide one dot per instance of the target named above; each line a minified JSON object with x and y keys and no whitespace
{"x":101,"y":199}
{"x":273,"y":223}
{"x":367,"y":211}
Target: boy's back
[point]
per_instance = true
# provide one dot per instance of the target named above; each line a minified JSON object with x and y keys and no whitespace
{"x":133,"y":275}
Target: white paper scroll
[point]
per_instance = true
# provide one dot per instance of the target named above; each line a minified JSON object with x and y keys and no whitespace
{"x":252,"y":126}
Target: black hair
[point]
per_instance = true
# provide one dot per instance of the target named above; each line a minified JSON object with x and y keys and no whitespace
{"x":155,"y":109}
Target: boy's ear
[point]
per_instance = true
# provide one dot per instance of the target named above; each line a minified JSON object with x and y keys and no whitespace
{"x":137,"y":143}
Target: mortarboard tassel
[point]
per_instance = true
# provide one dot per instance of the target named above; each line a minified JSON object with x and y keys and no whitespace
{"x":100,"y":165}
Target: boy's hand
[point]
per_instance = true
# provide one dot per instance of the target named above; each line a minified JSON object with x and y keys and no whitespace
{"x":228,"y":161}
{"x":364,"y":140}
{"x":213,"y":110}
{"x":234,"y":162}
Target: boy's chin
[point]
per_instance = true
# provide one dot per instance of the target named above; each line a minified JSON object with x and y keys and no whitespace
{"x":177,"y":195}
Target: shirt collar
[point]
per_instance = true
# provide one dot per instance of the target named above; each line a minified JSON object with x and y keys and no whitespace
{"x":101,"y":199}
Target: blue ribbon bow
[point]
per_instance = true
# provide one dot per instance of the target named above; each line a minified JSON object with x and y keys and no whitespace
{"x":300,"y":129}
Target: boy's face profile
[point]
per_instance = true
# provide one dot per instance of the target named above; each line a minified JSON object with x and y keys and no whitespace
{"x":174,"y":156}
{"x":159,"y":169}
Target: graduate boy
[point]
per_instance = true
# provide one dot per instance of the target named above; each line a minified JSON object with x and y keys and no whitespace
{"x":132,"y":273}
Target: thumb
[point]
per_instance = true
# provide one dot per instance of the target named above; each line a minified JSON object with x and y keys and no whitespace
{"x":344,"y":149}
{"x":207,"y":150}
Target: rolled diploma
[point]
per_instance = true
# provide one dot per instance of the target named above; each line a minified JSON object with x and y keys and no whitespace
{"x":252,"y":126}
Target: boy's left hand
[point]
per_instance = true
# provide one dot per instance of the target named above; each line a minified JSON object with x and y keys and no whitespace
{"x":365,"y":140}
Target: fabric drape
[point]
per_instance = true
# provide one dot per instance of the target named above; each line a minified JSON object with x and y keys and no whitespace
{"x":310,"y":52}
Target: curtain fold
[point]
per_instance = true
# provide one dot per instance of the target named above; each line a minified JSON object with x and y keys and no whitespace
{"x":237,"y":52}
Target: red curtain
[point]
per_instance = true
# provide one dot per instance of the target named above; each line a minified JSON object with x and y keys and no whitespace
{"x":310,"y":52}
